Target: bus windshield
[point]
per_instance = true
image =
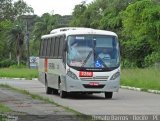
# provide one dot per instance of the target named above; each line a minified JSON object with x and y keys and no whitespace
{"x":93,"y":52}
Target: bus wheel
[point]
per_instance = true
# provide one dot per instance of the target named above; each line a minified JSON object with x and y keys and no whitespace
{"x":63,"y":94}
{"x":54,"y":91}
{"x":108,"y":95}
{"x":48,"y":89}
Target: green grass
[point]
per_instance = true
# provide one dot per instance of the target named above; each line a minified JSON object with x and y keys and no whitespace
{"x":19,"y":73}
{"x":4,"y":109}
{"x":141,"y":78}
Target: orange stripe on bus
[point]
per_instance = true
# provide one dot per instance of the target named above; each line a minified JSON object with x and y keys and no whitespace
{"x":46,"y":65}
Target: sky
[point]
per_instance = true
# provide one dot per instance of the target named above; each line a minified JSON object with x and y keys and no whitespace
{"x":62,"y":7}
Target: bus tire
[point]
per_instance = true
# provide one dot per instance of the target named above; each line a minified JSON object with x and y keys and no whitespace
{"x":63,"y":94}
{"x":108,"y":95}
{"x":54,"y":91}
{"x":48,"y":89}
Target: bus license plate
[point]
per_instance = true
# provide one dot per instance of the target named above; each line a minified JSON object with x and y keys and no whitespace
{"x":94,"y":83}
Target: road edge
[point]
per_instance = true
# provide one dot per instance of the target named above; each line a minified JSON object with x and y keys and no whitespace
{"x":18,"y":78}
{"x":140,"y":89}
{"x":122,"y":86}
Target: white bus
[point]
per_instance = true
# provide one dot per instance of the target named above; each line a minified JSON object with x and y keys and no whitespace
{"x":80,"y":60}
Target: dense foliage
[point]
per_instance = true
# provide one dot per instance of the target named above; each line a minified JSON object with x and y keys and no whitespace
{"x":44,"y":25}
{"x":12,"y":30}
{"x":18,"y":25}
{"x":137,"y":23}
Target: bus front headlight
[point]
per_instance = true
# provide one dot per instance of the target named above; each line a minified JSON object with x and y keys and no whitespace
{"x":115,"y":75}
{"x":72,"y":75}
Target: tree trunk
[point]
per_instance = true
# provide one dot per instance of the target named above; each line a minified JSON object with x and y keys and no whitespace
{"x":10,"y":55}
{"x":18,"y":50}
{"x":18,"y":59}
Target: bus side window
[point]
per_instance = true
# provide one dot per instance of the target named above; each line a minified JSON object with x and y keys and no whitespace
{"x":48,"y":47}
{"x":44,"y":48}
{"x":61,"y":46}
{"x":56,"y":47}
{"x":52,"y":47}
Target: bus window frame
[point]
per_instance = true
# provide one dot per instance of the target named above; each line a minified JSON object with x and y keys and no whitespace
{"x":56,"y":47}
{"x":48,"y":47}
{"x":53,"y":47}
{"x":44,"y":48}
{"x":41,"y":48}
{"x":61,"y":46}
{"x":52,"y":50}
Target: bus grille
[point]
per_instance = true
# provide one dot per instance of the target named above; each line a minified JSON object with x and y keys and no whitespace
{"x":96,"y":78}
{"x":91,"y":86}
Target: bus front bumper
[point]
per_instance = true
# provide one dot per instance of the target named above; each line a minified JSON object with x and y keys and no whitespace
{"x":72,"y":85}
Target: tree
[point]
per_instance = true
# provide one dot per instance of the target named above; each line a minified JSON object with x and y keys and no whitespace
{"x":10,"y":10}
{"x":78,"y":18}
{"x":16,"y":41}
{"x":94,"y":13}
{"x":6,"y":9}
{"x":141,"y":30}
{"x":4,"y":27}
{"x":21,"y":8}
{"x":12,"y":36}
{"x":44,"y":25}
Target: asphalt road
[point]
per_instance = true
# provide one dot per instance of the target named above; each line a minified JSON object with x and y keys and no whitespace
{"x":123,"y":102}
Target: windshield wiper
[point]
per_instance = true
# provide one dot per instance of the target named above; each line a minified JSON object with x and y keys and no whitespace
{"x":95,"y":54}
{"x":101,"y":60}
{"x":88,"y":56}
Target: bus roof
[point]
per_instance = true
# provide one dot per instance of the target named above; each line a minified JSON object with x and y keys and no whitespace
{"x":77,"y":31}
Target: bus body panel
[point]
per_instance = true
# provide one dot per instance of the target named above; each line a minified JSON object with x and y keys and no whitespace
{"x":54,"y":70}
{"x":80,"y":32}
{"x":72,"y":85}
{"x":77,"y":86}
{"x":109,"y":85}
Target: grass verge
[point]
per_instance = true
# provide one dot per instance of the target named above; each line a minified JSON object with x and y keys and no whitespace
{"x":19,"y":73}
{"x":83,"y":117}
{"x":4,"y":109}
{"x":141,"y":78}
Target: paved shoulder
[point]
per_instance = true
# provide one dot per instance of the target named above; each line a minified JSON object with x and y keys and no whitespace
{"x":33,"y":109}
{"x":123,"y":102}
